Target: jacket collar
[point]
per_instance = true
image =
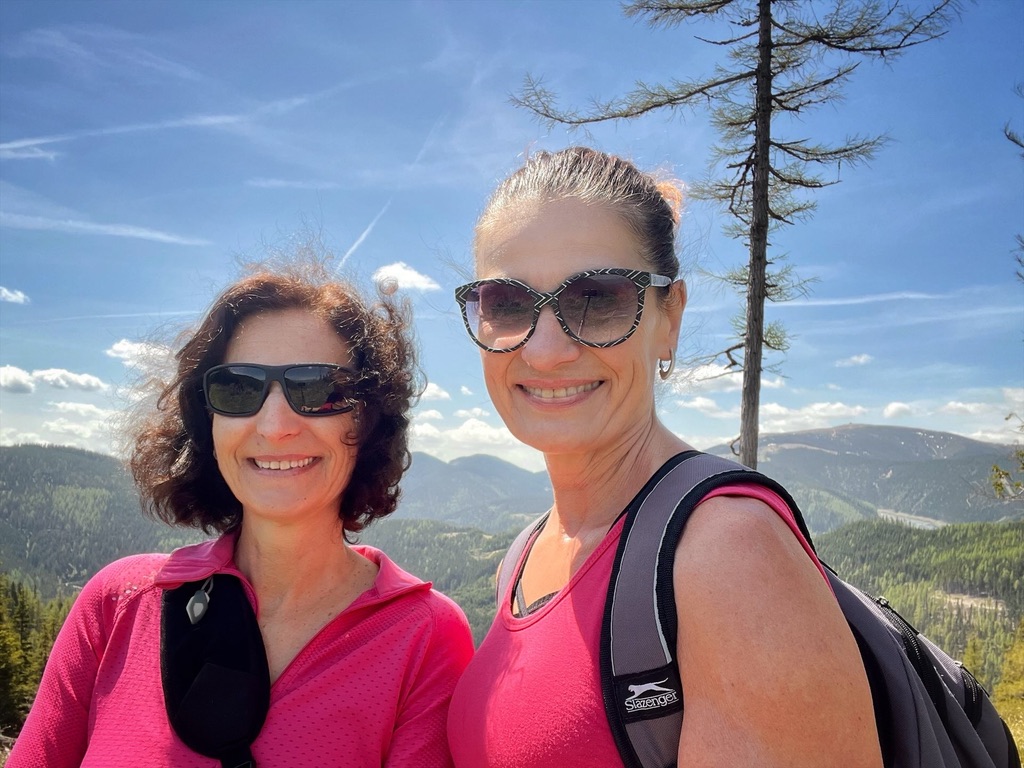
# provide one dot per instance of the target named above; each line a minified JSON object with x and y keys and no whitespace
{"x":199,"y":561}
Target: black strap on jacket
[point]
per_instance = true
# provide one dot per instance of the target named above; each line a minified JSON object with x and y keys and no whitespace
{"x":214,"y":669}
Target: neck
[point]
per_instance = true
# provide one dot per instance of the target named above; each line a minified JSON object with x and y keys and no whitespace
{"x":591,"y":489}
{"x":296,"y":562}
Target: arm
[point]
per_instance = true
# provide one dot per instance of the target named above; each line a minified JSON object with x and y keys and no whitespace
{"x":771,"y":674}
{"x":55,"y":732}
{"x":420,"y":738}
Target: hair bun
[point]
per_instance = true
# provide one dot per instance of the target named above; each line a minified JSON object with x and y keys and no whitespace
{"x":672,"y":193}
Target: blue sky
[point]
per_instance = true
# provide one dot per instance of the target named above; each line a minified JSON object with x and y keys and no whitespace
{"x":146,"y":146}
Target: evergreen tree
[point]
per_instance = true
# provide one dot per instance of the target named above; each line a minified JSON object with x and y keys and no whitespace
{"x":1008,"y":696}
{"x":12,"y":663}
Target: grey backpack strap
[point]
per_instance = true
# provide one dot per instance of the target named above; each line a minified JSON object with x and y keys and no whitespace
{"x":507,"y":569}
{"x":643,"y":695}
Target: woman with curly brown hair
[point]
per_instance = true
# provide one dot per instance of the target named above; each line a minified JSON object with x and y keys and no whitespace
{"x":284,"y":429}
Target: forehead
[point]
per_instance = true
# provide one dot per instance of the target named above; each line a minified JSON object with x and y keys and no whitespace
{"x":542,"y":242}
{"x":287,"y":336}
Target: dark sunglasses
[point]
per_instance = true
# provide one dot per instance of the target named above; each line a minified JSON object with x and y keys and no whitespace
{"x":311,"y":389}
{"x":598,"y":308}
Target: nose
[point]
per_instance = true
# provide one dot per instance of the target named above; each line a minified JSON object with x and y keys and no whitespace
{"x":549,"y":346}
{"x":276,"y":420}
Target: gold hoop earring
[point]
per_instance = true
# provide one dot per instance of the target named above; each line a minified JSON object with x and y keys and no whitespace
{"x":666,"y":370}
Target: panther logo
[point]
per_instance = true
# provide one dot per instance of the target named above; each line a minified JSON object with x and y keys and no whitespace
{"x":636,"y":691}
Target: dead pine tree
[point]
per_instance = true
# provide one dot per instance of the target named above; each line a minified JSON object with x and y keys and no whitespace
{"x":783,"y":58}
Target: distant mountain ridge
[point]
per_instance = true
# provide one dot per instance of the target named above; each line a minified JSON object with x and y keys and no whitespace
{"x":915,"y":472}
{"x":65,"y":512}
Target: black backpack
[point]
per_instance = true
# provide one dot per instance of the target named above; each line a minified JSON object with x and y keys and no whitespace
{"x":929,"y":710}
{"x":214,"y":669}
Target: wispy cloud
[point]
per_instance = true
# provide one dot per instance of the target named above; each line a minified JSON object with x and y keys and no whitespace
{"x":85,"y":48}
{"x":404,"y":276}
{"x":14,"y":297}
{"x":365,"y":234}
{"x":850,"y":301}
{"x":28,"y":149}
{"x":429,"y":140}
{"x":21,"y":221}
{"x":286,"y":184}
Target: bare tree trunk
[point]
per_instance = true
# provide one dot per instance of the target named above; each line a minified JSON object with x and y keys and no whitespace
{"x":750,"y":402}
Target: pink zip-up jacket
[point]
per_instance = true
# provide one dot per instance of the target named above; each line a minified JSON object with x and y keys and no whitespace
{"x":370,"y":689}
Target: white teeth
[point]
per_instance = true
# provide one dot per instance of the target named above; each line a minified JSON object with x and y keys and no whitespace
{"x":284,"y":464}
{"x":562,"y":391}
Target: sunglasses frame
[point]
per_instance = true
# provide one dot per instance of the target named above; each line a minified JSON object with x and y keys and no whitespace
{"x":276,"y":373}
{"x":642,"y":280}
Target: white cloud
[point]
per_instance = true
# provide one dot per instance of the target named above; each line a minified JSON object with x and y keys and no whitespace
{"x":895,"y":410}
{"x":471,"y":437}
{"x":405,"y":276}
{"x":82,"y":430}
{"x":14,"y":297}
{"x":62,"y":379}
{"x":1014,"y":396}
{"x":16,"y":381}
{"x":715,"y":378}
{"x":706,"y":378}
{"x":856,"y":360}
{"x":472,"y":413}
{"x":465,"y":390}
{"x":779,"y":418}
{"x":708,"y":407}
{"x":431,"y":414}
{"x":11,"y":436}
{"x":434,"y":392}
{"x":965,"y":409}
{"x":84,"y":409}
{"x":20,"y":221}
{"x":139,"y":354}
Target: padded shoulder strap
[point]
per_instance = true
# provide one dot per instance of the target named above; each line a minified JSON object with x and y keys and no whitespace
{"x":507,"y":569}
{"x":214,"y":668}
{"x":643,"y":694}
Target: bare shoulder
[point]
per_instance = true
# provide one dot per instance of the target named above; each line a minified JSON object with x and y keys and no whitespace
{"x":771,"y":673}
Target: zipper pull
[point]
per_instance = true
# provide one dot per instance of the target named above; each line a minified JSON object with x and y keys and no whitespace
{"x":199,"y":603}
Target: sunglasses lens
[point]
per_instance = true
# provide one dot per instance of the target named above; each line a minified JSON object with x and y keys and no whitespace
{"x":235,"y":390}
{"x":317,"y":390}
{"x":499,"y":315}
{"x":599,"y":309}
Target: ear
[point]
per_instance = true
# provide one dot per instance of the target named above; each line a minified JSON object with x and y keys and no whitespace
{"x":673,"y":309}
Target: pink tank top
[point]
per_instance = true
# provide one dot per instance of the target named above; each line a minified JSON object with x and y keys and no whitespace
{"x":531,"y":697}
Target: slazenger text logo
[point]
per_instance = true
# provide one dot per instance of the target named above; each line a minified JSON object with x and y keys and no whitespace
{"x":650,"y":696}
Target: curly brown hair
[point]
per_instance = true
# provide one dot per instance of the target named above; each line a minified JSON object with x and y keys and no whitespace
{"x":172,"y":457}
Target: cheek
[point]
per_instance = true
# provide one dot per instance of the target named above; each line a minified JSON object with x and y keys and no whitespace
{"x":221,"y":433}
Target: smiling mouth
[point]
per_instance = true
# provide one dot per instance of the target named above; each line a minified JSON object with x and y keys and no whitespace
{"x":552,"y":394}
{"x":284,"y":464}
